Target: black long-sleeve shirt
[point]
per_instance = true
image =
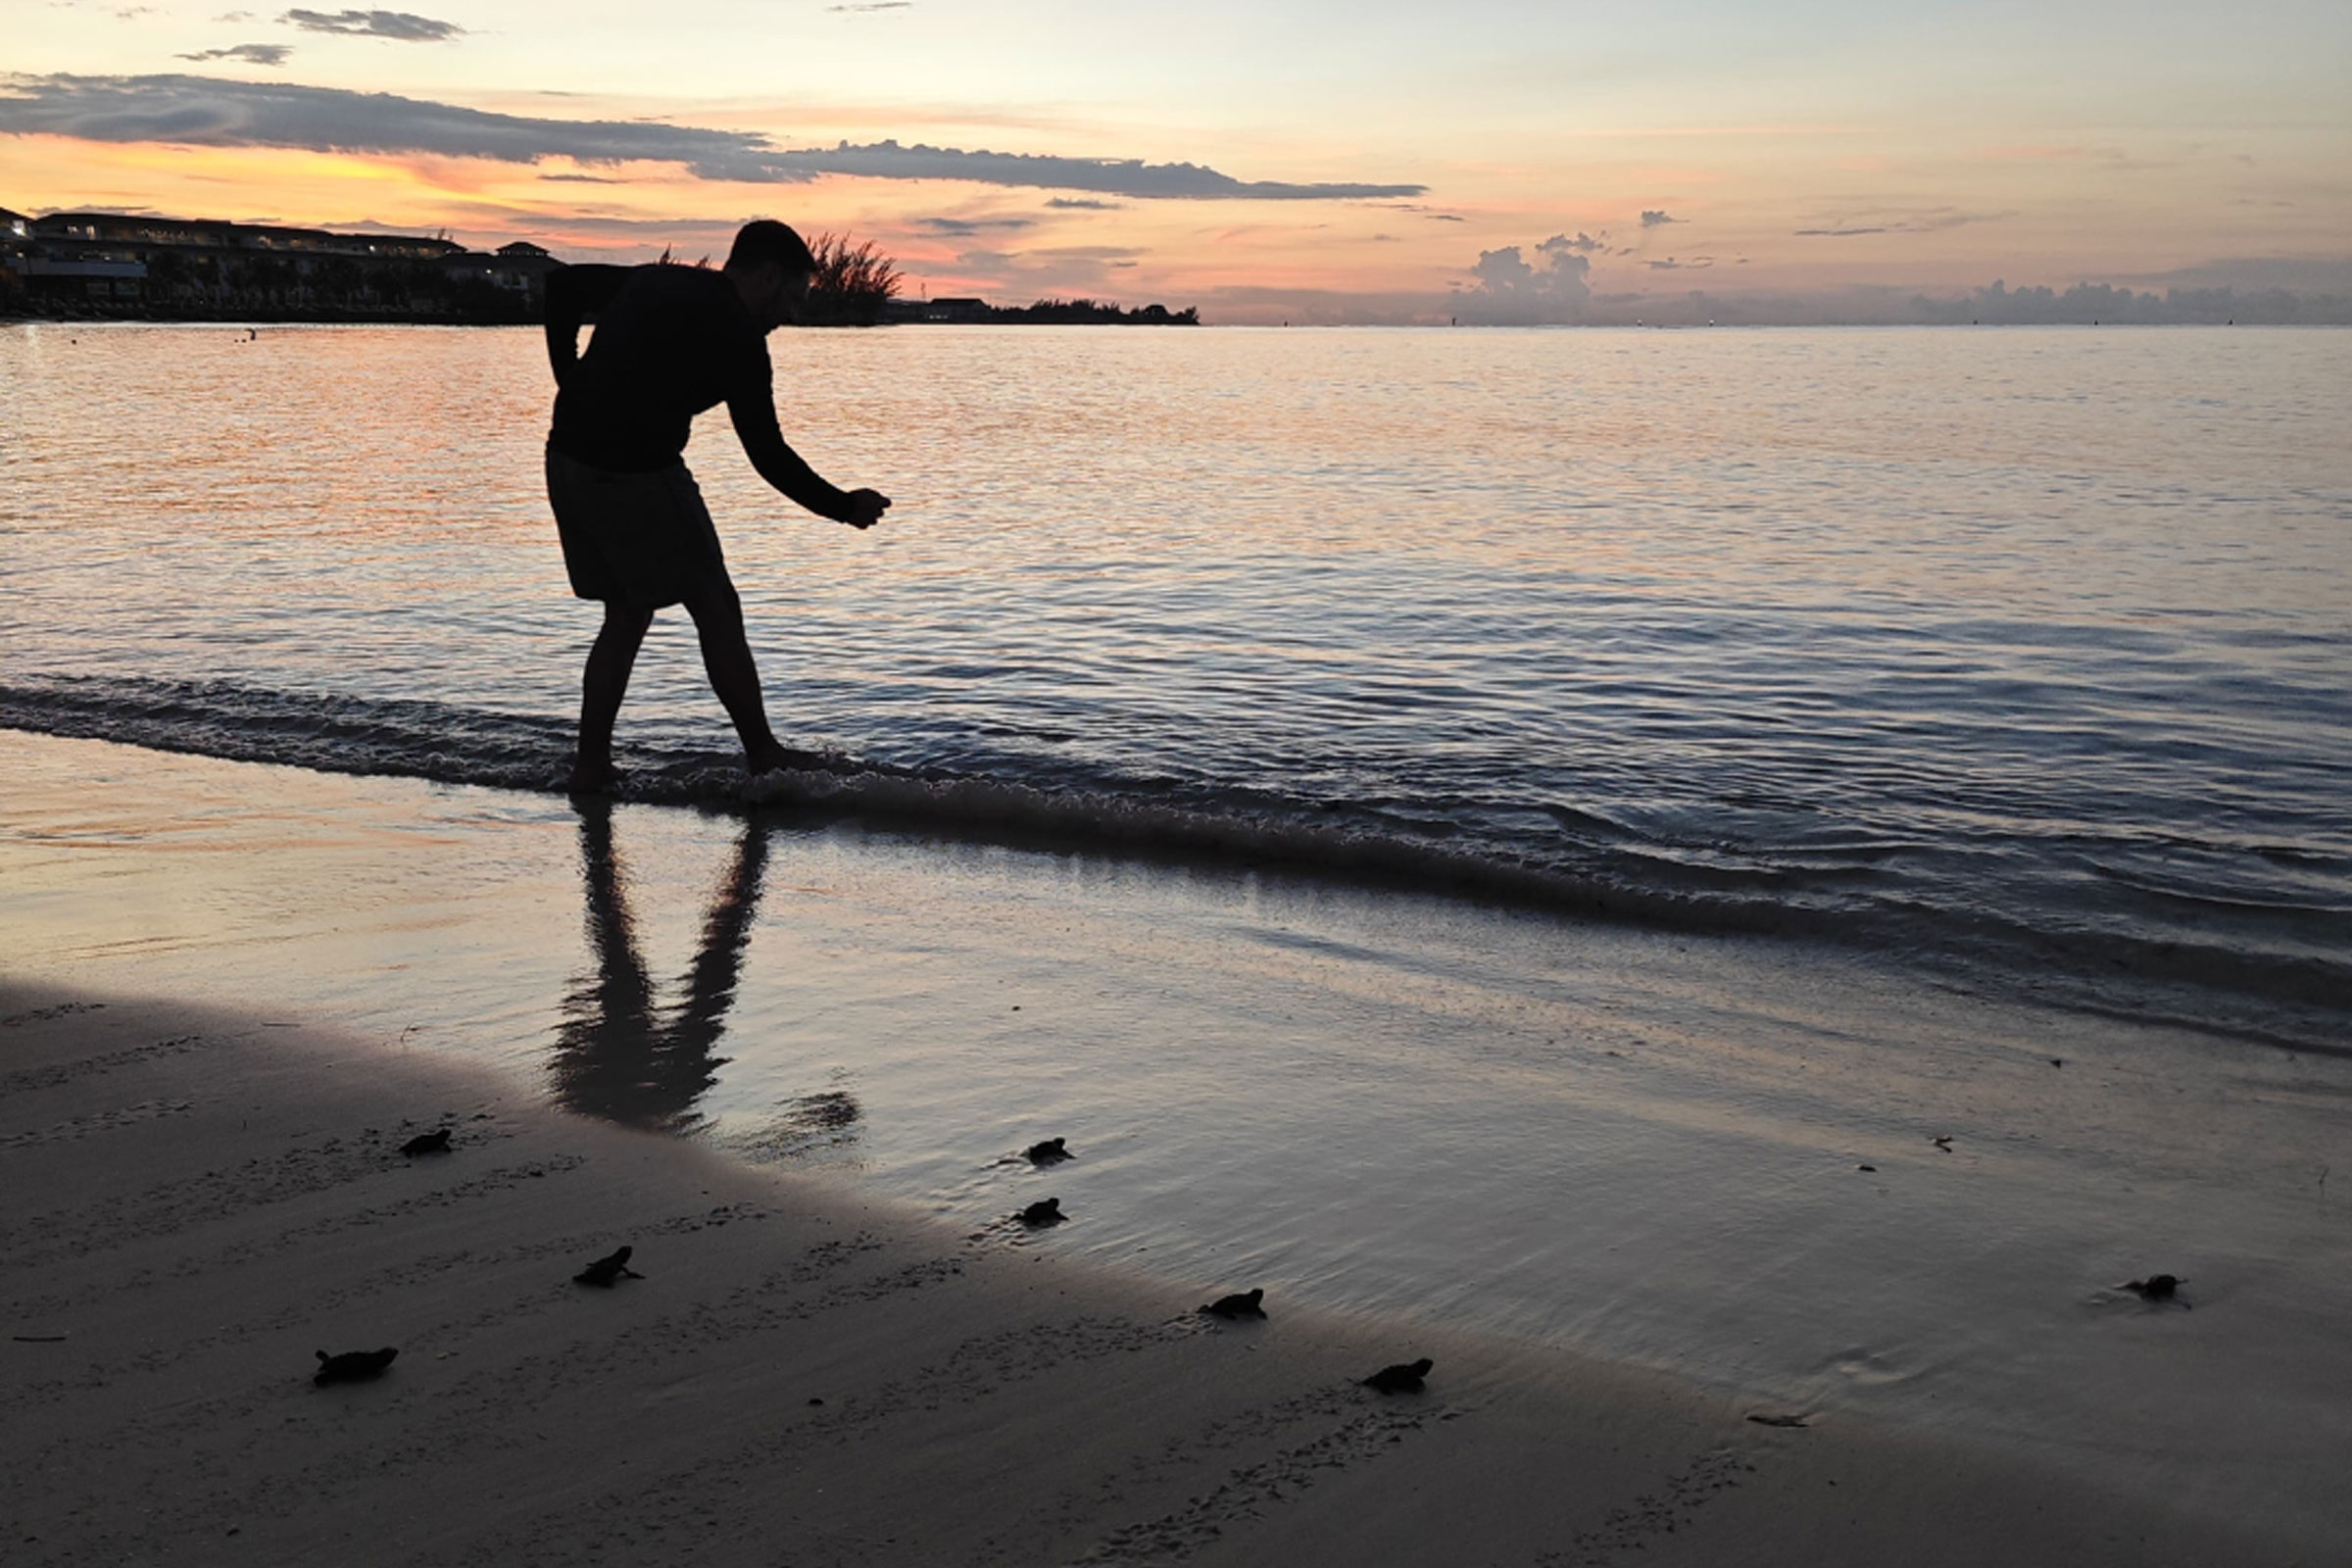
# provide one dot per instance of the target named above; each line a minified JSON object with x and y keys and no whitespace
{"x":670,"y":342}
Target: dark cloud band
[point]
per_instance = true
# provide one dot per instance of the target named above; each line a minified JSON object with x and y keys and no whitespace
{"x":253,"y":54}
{"x":207,"y":111}
{"x":1111,"y":176}
{"x":1928,"y":223}
{"x":404,"y":25}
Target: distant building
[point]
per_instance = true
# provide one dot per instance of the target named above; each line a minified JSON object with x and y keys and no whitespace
{"x":943,"y":308}
{"x":216,"y":234}
{"x":86,"y":278}
{"x":519,"y":265}
{"x":207,"y":267}
{"x":15,"y":227}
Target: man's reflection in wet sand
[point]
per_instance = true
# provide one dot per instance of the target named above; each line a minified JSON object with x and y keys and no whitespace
{"x":616,"y":1057}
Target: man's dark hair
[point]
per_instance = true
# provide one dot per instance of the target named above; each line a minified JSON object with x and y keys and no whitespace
{"x":764,"y":240}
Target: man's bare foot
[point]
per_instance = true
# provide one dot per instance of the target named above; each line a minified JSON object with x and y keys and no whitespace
{"x":592,"y":778}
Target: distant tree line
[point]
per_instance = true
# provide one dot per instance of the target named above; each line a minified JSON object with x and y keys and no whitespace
{"x":324,"y":277}
{"x":1997,"y":305}
{"x":2106,"y":303}
{"x":1094,"y":313}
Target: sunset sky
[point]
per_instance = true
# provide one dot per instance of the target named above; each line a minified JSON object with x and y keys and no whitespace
{"x":1366,"y":161}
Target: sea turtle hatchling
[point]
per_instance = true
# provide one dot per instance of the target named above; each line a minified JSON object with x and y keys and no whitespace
{"x":1248,"y":1304}
{"x":353,"y":1367}
{"x":1402,"y":1378}
{"x":606,"y":1270}
{"x":1050,"y":1152}
{"x":1045,"y":1212}
{"x":433,"y":1143}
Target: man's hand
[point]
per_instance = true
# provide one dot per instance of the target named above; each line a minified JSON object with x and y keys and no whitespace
{"x":866,"y":508}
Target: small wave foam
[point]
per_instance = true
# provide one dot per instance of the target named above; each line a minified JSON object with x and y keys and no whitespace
{"x":454,"y":744}
{"x":327,"y":733}
{"x":1591,"y":865}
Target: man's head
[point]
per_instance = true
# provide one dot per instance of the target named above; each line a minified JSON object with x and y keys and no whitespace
{"x":771,"y":268}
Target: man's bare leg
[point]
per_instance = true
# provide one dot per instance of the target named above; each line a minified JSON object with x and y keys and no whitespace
{"x":603,"y":685}
{"x":718,"y":614}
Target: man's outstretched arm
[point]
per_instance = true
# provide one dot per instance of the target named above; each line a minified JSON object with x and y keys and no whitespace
{"x":754,"y":417}
{"x":573,"y":294}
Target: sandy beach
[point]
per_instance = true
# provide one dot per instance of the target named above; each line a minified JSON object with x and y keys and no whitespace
{"x":1675,"y":1187}
{"x":196,"y":1201}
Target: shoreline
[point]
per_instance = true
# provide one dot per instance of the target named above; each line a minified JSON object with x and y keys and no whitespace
{"x":2187,"y":981}
{"x":197,"y":1200}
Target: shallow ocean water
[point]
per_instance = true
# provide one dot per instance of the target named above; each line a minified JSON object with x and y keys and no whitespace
{"x":2022,"y":652}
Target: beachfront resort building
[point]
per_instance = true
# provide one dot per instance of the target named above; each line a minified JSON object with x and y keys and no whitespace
{"x":129,"y":264}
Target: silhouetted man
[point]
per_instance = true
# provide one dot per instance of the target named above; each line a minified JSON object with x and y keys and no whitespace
{"x":670,"y":342}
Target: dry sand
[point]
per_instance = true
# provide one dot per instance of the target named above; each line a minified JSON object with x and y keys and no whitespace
{"x":192,"y":1203}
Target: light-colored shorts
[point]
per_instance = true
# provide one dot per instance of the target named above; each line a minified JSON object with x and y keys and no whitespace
{"x":643,"y":539}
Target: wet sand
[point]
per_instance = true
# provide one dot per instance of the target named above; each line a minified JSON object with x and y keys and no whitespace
{"x":193,"y":1202}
